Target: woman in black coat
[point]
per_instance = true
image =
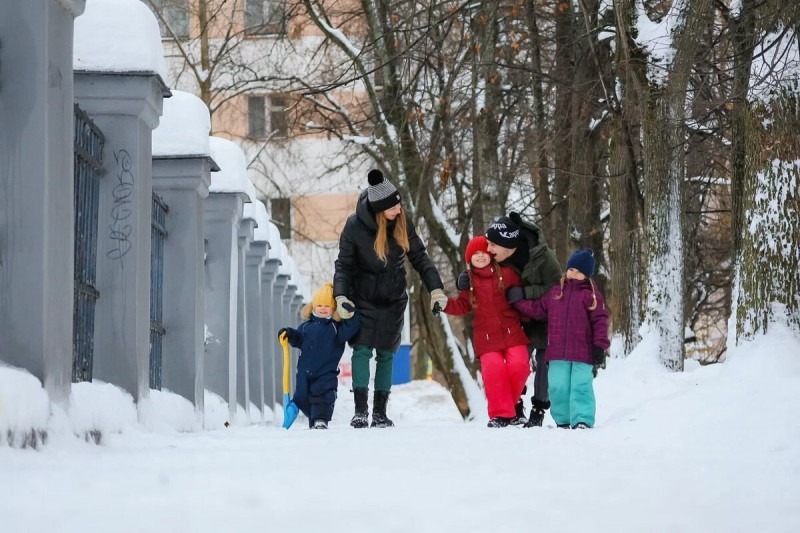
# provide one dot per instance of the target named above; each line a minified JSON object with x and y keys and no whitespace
{"x":370,"y":273}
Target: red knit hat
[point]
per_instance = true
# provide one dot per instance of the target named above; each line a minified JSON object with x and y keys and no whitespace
{"x":476,"y":244}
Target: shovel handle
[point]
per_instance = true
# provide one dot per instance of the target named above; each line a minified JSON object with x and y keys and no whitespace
{"x":285,"y":344}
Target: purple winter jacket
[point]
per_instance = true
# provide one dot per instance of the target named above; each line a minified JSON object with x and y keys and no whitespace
{"x":572,"y":329}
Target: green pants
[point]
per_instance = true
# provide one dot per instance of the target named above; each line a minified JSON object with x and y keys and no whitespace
{"x":383,"y":367}
{"x":571,"y":393}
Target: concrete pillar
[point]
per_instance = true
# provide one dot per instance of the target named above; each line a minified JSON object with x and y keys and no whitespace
{"x":183,"y":184}
{"x":126,"y":108}
{"x":222,"y":215}
{"x":242,"y":355}
{"x":256,"y":257}
{"x":280,"y":319}
{"x":270,"y":330}
{"x":36,"y":189}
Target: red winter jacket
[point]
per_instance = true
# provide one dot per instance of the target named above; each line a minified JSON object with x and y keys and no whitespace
{"x":572,"y":329}
{"x":495,"y":322}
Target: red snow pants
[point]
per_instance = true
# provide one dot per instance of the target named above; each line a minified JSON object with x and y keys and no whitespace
{"x":504,"y":376}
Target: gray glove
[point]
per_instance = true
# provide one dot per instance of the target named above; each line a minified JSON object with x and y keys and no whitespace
{"x":438,"y":297}
{"x":344,"y":307}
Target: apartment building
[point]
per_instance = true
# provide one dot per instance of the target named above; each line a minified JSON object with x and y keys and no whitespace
{"x":258,"y":64}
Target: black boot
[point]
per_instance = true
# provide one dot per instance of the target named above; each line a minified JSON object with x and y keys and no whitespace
{"x":519,"y":418}
{"x":361,"y":418}
{"x":379,"y":418}
{"x":498,"y":422}
{"x":537,"y":413}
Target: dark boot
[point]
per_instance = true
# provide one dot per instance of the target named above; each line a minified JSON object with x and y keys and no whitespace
{"x":379,"y":418}
{"x":361,"y":418}
{"x":537,"y":413}
{"x":519,"y":417}
{"x":498,"y":422}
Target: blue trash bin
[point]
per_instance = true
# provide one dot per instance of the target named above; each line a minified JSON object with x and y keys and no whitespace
{"x":401,"y":365}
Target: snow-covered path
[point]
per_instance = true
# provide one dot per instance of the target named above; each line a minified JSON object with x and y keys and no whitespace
{"x":712,"y":449}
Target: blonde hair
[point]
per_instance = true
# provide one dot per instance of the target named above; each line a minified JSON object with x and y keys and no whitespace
{"x":400,"y":235}
{"x":591,"y":283}
{"x":497,"y":269}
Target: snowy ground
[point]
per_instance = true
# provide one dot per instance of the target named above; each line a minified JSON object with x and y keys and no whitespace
{"x":714,"y":449}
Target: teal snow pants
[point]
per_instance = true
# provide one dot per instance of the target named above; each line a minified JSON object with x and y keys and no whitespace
{"x":571,"y":393}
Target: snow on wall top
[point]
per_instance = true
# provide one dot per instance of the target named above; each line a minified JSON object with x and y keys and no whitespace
{"x":183,"y":128}
{"x":118,"y":36}
{"x":274,"y":240}
{"x":258,"y":212}
{"x":232,"y":175}
{"x":285,"y":268}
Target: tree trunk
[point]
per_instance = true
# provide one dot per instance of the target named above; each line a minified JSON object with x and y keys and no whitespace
{"x":588,"y":146}
{"x":562,"y":74}
{"x":536,"y":137}
{"x":770,"y":266}
{"x":625,"y":300}
{"x":626,"y":204}
{"x":664,"y":174}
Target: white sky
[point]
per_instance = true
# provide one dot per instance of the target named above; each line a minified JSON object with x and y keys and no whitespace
{"x":714,"y":448}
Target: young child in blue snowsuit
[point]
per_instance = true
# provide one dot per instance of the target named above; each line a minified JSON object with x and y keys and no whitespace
{"x":321,"y":339}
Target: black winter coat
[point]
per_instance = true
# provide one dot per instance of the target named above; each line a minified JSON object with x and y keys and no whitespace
{"x":378,"y":289}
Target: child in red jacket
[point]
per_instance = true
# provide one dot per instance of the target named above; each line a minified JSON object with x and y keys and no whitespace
{"x":498,"y":338}
{"x":577,"y":338}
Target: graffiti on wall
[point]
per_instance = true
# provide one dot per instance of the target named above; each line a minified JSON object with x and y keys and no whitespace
{"x":120,"y":228}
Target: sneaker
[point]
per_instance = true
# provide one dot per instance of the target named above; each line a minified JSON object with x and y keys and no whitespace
{"x":320,"y":424}
{"x":581,"y":425}
{"x":498,"y":422}
{"x":563,"y":426}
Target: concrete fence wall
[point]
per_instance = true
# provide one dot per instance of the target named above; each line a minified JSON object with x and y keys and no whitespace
{"x":222,"y":289}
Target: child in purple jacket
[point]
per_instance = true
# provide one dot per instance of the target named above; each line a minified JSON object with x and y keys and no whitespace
{"x":577,"y":339}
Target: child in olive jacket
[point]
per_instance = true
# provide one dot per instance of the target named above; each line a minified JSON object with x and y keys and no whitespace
{"x":577,"y":338}
{"x":321,"y":339}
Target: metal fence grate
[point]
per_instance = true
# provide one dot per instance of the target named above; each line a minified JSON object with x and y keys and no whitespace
{"x":158,"y":234}
{"x":88,"y":150}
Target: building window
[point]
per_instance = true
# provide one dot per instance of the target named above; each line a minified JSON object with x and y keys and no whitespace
{"x":265,"y":17}
{"x":377,"y":75}
{"x":259,"y":124}
{"x":256,"y":117}
{"x":278,"y":124}
{"x":282,"y":216}
{"x":172,"y":16}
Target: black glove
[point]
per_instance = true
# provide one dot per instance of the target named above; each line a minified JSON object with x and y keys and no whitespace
{"x":347,"y":306}
{"x":462,"y":282}
{"x":599,"y":359}
{"x":289,"y":332}
{"x":515,"y":294}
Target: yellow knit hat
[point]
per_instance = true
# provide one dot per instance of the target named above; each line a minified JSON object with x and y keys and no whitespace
{"x":324,"y":296}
